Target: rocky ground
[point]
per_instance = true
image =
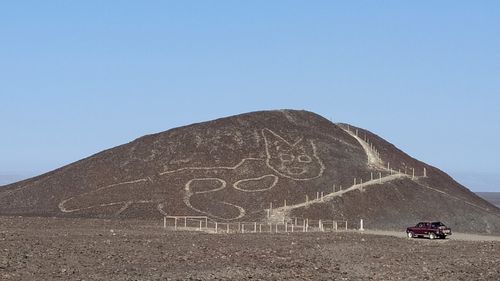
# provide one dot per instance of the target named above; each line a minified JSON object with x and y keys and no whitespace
{"x":85,"y":249}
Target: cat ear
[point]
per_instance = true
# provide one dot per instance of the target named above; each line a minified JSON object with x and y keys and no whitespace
{"x":274,"y":142}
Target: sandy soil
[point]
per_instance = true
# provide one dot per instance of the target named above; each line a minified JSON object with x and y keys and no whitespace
{"x":85,"y":249}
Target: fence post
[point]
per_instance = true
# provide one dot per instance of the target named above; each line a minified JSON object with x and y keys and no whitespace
{"x":413,"y":173}
{"x":336,"y":225}
{"x":361,"y":225}
{"x":215,"y":227}
{"x":185,"y":222}
{"x":292,"y":227}
{"x":286,"y":227}
{"x":255,"y":227}
{"x":243,"y":228}
{"x":227,"y":227}
{"x":304,"y":226}
{"x":345,"y":225}
{"x":175,"y":224}
{"x":322,"y":195}
{"x":354,"y":181}
{"x":260,"y":228}
{"x":371,"y":176}
{"x":164,"y":222}
{"x":206,"y":222}
{"x":425,"y":172}
{"x":379,"y":177}
{"x":201,"y":223}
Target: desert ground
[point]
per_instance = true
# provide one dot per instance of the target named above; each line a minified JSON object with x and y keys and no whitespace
{"x":91,"y":249}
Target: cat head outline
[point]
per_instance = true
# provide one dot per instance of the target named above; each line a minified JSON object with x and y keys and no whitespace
{"x":297,"y":161}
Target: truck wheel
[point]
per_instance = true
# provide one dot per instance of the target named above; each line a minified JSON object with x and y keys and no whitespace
{"x":432,"y":235}
{"x":410,"y":235}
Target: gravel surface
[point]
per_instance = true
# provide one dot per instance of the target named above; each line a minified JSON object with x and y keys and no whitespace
{"x":91,"y":249}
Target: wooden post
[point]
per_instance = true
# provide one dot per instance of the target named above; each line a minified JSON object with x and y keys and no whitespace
{"x":286,"y":227}
{"x":361,"y":181}
{"x":345,"y":225}
{"x":260,"y":228}
{"x":335,"y":225}
{"x":304,"y":225}
{"x":320,"y":225}
{"x":334,"y":188}
{"x":239,"y":226}
{"x":356,"y":132}
{"x":317,"y":195}
{"x":371,"y":176}
{"x":354,"y":181}
{"x":254,"y":227}
{"x":379,"y":177}
{"x":292,"y":227}
{"x":322,"y":194}
{"x":295,"y":220}
{"x":215,"y":227}
{"x":227,"y":227}
{"x":284,"y":203}
{"x":413,"y":173}
{"x":243,"y":228}
{"x":164,"y":222}
{"x":361,"y":225}
{"x":425,"y":172}
{"x":388,"y":166}
{"x":206,"y":222}
{"x":185,"y":222}
{"x":268,"y":213}
{"x":307,"y":198}
{"x":277,"y":228}
{"x":175,"y":224}
{"x":201,"y":223}
{"x":307,"y":225}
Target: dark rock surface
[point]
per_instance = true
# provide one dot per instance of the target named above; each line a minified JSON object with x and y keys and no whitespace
{"x":97,"y":249}
{"x":233,"y":168}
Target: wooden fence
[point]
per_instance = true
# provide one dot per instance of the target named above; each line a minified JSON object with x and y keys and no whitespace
{"x":203,"y":223}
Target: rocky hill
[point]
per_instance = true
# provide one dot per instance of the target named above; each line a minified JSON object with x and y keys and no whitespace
{"x":236,"y":168}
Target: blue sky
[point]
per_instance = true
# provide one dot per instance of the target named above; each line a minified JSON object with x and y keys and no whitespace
{"x":77,"y":77}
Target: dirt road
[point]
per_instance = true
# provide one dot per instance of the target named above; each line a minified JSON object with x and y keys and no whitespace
{"x":84,"y":249}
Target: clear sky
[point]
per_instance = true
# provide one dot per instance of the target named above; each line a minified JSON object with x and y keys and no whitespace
{"x":77,"y":77}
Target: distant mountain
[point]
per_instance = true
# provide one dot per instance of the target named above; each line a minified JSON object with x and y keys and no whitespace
{"x":235,"y":168}
{"x":7,"y":179}
{"x":492,"y":197}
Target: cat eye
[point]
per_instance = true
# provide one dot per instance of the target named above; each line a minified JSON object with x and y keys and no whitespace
{"x":286,"y":157}
{"x":304,"y":159}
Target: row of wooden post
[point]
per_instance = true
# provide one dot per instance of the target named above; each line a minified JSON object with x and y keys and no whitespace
{"x":288,"y":226}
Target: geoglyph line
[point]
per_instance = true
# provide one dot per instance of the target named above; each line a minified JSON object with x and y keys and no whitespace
{"x":278,"y":143}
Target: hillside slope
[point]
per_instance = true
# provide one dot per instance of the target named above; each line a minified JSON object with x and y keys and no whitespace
{"x":234,"y":168}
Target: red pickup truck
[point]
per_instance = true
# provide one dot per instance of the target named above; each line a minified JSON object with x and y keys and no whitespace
{"x":431,"y":229}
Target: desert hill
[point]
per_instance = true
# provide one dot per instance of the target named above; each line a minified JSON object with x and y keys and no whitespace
{"x":235,"y":168}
